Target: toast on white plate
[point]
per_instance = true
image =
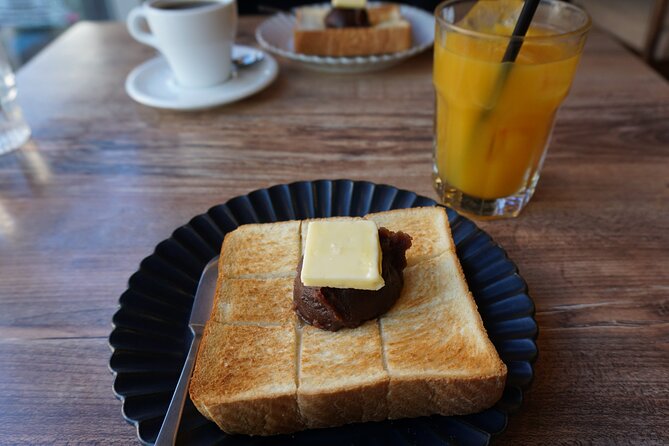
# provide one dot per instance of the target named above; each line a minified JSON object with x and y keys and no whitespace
{"x":389,"y":33}
{"x":261,"y":371}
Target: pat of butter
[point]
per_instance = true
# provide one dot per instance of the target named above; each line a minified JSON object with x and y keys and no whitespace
{"x":342,"y":254}
{"x":349,"y":3}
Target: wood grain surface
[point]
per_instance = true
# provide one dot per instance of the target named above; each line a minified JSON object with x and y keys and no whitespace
{"x":104,"y":179}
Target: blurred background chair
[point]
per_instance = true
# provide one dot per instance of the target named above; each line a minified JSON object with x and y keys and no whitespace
{"x":642,"y":25}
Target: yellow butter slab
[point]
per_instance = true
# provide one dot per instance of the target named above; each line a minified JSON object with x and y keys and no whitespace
{"x":342,"y":254}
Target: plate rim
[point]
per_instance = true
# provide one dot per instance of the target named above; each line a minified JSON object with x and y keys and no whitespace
{"x":515,"y":272}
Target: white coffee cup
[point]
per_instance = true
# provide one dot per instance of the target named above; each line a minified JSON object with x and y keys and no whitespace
{"x":195,"y":39}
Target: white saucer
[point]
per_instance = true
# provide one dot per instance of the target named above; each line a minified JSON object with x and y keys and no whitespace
{"x":152,"y":83}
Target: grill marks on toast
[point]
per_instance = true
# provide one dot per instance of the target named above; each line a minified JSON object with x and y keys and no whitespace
{"x":261,"y":371}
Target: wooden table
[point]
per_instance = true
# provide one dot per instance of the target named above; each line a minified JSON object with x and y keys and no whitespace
{"x":105,"y":179}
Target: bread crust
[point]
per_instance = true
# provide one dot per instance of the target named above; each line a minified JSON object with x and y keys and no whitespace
{"x":389,"y":33}
{"x":352,"y":41}
{"x":423,"y":396}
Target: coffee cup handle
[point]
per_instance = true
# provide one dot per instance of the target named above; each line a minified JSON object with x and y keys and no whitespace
{"x":136,"y":23}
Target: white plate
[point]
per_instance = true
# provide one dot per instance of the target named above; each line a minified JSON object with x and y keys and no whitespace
{"x":276,"y":35}
{"x":153,"y":84}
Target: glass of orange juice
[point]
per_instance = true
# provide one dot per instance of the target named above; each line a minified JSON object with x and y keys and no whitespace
{"x":493,"y":119}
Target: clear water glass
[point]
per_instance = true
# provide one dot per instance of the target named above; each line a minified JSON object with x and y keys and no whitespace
{"x":14,"y":130}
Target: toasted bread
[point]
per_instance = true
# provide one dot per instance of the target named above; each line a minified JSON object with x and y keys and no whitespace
{"x":255,"y":301}
{"x":388,"y":33}
{"x":244,"y":378}
{"x":261,"y":371}
{"x":342,"y":376}
{"x":277,"y":256}
{"x":429,"y":238}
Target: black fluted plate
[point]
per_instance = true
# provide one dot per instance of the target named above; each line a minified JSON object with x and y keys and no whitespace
{"x":150,"y":335}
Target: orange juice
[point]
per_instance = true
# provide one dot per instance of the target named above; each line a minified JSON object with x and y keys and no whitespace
{"x":492,"y":127}
{"x":493,"y":119}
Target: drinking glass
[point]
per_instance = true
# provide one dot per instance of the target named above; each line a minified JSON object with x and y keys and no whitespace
{"x":493,"y":119}
{"x":14,"y":131}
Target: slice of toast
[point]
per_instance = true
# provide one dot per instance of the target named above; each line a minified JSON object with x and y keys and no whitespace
{"x":388,"y":33}
{"x":244,"y":378}
{"x":342,"y":376}
{"x":426,"y":228}
{"x":242,"y":256}
{"x":254,"y":301}
{"x":452,"y":374}
{"x":261,"y":371}
{"x":456,"y":372}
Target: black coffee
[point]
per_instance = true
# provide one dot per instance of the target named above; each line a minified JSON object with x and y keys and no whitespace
{"x":182,"y":4}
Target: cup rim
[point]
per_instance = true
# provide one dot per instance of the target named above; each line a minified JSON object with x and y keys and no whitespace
{"x":583,"y":29}
{"x":217,"y":4}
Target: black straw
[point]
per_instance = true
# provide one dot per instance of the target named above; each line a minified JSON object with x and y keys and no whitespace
{"x":519,"y":31}
{"x":512,"y":50}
